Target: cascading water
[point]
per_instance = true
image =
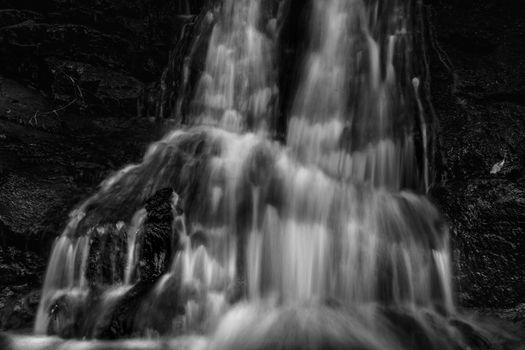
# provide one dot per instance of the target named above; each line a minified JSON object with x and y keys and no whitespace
{"x":318,"y":243}
{"x":237,"y":85}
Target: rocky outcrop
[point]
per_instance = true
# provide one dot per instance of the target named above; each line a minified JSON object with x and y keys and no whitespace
{"x":112,"y":307}
{"x":74,"y":81}
{"x":157,"y":242}
{"x":478,"y":68}
{"x":51,"y":162}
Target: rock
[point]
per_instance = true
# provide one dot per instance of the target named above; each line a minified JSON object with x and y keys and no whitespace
{"x":10,"y":17}
{"x":5,"y":342}
{"x":26,"y":106}
{"x":51,"y":162}
{"x":107,"y":255}
{"x":157,"y":242}
{"x":48,"y":165}
{"x":121,"y":322}
{"x":18,"y":306}
{"x":478,"y":70}
{"x":20,"y":267}
{"x":487,"y":240}
{"x":19,"y":287}
{"x":174,"y":95}
{"x":72,"y":74}
{"x":142,"y":312}
{"x":70,"y":40}
{"x":148,"y":29}
{"x":24,"y":47}
{"x":510,"y":319}
{"x":95,"y":89}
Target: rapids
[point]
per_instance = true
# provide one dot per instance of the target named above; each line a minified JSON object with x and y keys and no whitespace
{"x":323,"y":241}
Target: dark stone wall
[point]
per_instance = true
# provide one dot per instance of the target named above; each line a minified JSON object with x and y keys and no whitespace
{"x":477,"y":64}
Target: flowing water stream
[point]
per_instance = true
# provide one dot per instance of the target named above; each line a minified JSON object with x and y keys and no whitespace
{"x":323,"y":241}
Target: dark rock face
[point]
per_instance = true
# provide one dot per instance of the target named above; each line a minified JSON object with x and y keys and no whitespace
{"x":133,"y":36}
{"x":19,"y":294}
{"x":76,"y":81}
{"x":122,"y":321}
{"x":156,"y":241}
{"x":477,"y":64}
{"x":107,"y":255}
{"x":108,"y":312}
{"x":51,"y":162}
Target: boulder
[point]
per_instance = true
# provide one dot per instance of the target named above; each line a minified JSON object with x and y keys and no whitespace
{"x":158,"y":241}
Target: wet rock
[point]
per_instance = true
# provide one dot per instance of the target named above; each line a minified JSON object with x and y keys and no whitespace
{"x":66,"y":315}
{"x":478,"y":70}
{"x":186,"y":63}
{"x":71,"y":76}
{"x":77,"y":70}
{"x":26,"y":206}
{"x":125,"y":42}
{"x":157,"y":242}
{"x":142,"y":310}
{"x":19,"y":267}
{"x":107,"y":255}
{"x":19,"y":287}
{"x":18,"y":306}
{"x":24,"y":46}
{"x":10,"y":17}
{"x":177,"y":162}
{"x":94,"y":89}
{"x":514,"y":316}
{"x":5,"y":342}
{"x":121,"y":323}
{"x":147,"y":29}
{"x":48,"y":164}
{"x":51,"y":161}
{"x":163,"y":311}
{"x":69,"y":40}
{"x":25,"y":106}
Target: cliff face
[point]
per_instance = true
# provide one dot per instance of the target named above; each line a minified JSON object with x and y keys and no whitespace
{"x":78,"y":83}
{"x":477,"y":63}
{"x":74,"y":82}
{"x":77,"y":86}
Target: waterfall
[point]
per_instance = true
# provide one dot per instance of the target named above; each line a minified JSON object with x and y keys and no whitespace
{"x":325,"y":240}
{"x":238,"y":84}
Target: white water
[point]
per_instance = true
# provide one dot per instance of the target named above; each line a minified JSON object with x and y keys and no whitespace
{"x":280,"y":232}
{"x":136,"y":225}
{"x":237,"y":87}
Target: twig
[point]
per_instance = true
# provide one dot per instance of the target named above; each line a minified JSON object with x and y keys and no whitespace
{"x":55,"y":111}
